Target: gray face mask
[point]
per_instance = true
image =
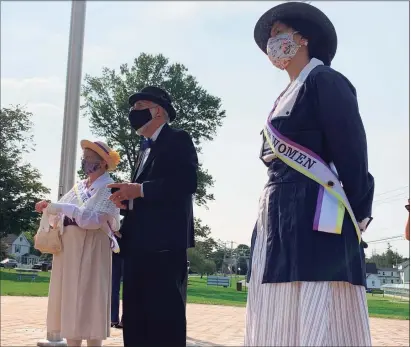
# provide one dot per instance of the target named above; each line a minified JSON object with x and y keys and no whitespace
{"x":89,"y":167}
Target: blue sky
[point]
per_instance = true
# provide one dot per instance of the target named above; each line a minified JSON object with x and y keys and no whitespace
{"x":214,"y":40}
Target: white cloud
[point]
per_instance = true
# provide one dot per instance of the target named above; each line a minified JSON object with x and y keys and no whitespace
{"x":32,"y":90}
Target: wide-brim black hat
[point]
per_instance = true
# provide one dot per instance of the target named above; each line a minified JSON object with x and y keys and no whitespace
{"x":156,"y":95}
{"x":296,"y":11}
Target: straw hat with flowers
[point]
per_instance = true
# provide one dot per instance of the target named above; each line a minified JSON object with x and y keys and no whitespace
{"x":112,"y":158}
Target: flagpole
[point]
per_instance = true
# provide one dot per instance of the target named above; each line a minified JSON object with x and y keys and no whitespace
{"x":72,"y":99}
{"x":70,"y":122}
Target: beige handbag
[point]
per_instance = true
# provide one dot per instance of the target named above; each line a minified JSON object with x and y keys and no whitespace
{"x":47,"y":239}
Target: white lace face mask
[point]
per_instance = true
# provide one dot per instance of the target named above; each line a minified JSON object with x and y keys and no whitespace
{"x":282,"y":48}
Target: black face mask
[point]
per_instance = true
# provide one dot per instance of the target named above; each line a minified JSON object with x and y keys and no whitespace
{"x":139,"y":118}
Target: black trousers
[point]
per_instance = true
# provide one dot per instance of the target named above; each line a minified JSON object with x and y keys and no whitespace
{"x":116,"y":275}
{"x":154,"y":299}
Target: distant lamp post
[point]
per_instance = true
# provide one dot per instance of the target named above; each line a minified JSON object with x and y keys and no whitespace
{"x":71,"y":116}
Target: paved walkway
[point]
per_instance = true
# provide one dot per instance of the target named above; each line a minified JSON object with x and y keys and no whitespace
{"x":23,"y":324}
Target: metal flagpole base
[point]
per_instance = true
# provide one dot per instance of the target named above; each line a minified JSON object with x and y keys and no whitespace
{"x":52,"y":340}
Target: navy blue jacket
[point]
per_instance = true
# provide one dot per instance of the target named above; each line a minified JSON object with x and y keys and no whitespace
{"x":163,"y":219}
{"x":325,"y":119}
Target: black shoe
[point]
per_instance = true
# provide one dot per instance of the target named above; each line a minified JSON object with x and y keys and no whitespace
{"x":117,"y":325}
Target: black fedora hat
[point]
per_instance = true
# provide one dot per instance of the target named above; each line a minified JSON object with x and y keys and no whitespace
{"x":296,"y":11}
{"x":156,"y":95}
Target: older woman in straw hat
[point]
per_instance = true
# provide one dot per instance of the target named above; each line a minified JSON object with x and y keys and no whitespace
{"x":307,"y":280}
{"x":79,"y":294}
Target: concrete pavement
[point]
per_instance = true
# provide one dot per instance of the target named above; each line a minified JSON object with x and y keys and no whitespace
{"x":23,"y":323}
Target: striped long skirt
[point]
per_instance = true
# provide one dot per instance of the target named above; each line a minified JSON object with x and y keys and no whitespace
{"x":302,"y":313}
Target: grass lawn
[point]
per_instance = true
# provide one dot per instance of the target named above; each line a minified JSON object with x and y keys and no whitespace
{"x":199,"y":293}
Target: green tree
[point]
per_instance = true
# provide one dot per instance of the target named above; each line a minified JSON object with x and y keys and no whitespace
{"x":218,"y":256}
{"x":199,"y":264}
{"x":3,"y":250}
{"x":106,"y":106}
{"x":387,"y":259}
{"x":205,"y":244}
{"x":243,"y":254}
{"x":20,"y":185}
{"x":202,"y":231}
{"x":243,"y":249}
{"x":206,"y":247}
{"x":196,"y":260}
{"x":30,"y":238}
{"x":209,"y":267}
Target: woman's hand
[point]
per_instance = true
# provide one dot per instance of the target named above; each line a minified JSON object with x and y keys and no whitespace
{"x":41,"y":205}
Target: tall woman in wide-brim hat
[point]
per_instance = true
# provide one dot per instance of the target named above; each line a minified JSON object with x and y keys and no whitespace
{"x":80,"y":284}
{"x":307,"y":279}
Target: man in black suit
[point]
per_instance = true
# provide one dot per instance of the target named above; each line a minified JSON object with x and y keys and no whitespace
{"x":158,"y":224}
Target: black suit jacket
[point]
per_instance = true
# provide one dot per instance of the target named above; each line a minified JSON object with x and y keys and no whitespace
{"x":163,"y":219}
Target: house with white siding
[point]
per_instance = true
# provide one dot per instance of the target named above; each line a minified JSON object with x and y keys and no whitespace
{"x":19,"y":249}
{"x":389,"y":275}
{"x":404,"y":269}
{"x":373,"y":280}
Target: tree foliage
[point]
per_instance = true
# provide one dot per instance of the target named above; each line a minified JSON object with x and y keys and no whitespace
{"x":205,"y":245}
{"x":387,"y":259}
{"x":3,"y":250}
{"x":106,"y":106}
{"x":243,"y":255}
{"x":30,"y":238}
{"x":199,"y":264}
{"x":20,"y":185}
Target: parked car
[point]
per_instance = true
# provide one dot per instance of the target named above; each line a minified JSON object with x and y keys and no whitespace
{"x":39,"y":265}
{"x":9,"y":263}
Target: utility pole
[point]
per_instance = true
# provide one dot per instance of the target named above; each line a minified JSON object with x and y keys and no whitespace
{"x":70,"y":123}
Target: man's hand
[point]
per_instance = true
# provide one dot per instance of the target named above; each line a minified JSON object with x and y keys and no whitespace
{"x":126,"y":191}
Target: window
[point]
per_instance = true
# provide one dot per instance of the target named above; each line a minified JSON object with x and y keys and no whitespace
{"x":392,"y":273}
{"x":392,"y":281}
{"x":373,"y":283}
{"x":21,"y":239}
{"x":383,"y":273}
{"x":17,"y":248}
{"x":383,"y":281}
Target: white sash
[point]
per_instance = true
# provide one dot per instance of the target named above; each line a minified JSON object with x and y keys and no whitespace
{"x":332,"y":201}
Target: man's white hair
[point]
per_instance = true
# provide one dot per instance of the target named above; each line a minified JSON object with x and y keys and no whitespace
{"x":166,"y":116}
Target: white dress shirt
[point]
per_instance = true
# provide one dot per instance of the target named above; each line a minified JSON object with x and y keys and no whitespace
{"x":145,"y":155}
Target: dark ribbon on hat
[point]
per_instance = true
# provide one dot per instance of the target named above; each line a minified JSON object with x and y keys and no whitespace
{"x":105,"y":150}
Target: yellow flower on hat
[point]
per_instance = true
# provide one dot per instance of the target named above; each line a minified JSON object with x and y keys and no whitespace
{"x":115,"y":157}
